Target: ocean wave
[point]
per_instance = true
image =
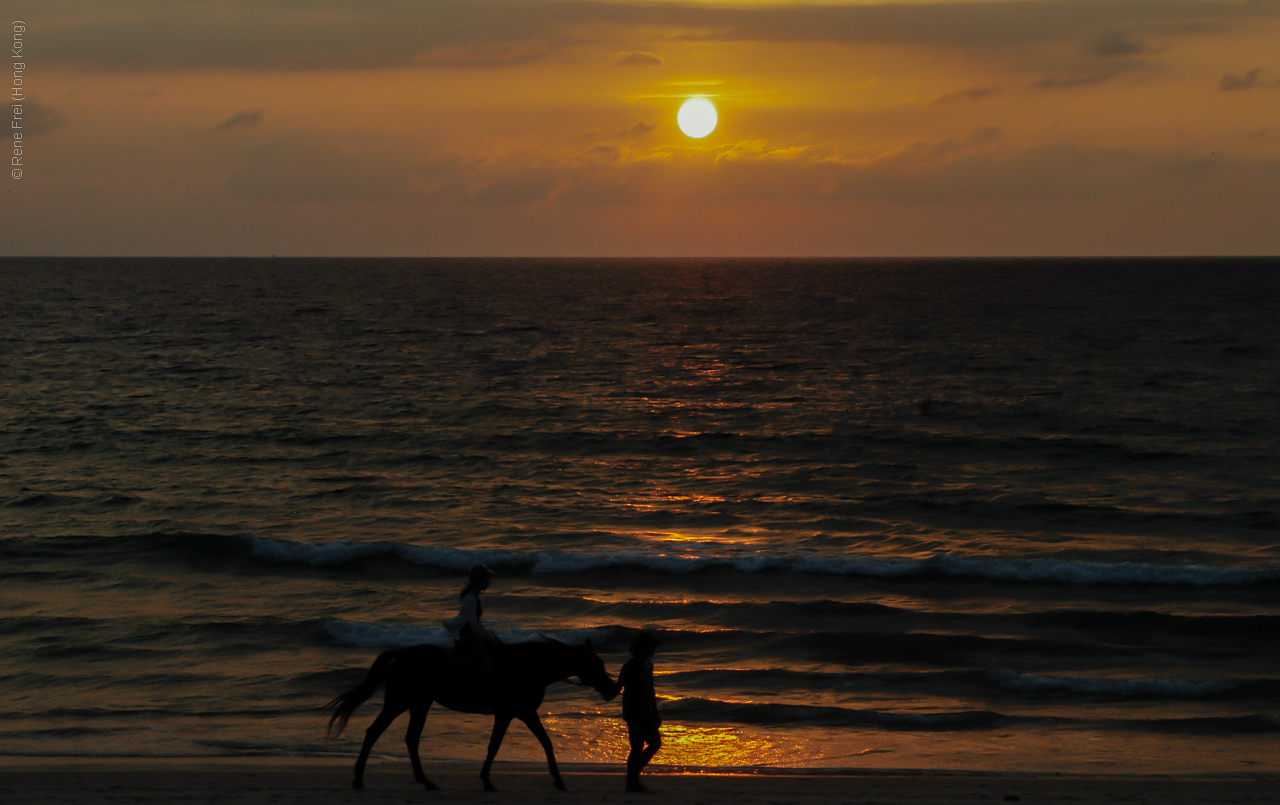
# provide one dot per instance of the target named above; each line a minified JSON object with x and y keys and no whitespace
{"x":256,"y":748}
{"x":62,"y":733}
{"x":776,"y":714}
{"x":692,"y":558}
{"x":1132,"y":687}
{"x":39,"y":500}
{"x":1145,"y":623}
{"x":88,"y":713}
{"x":847,"y":648}
{"x":1253,"y":724}
{"x":974,"y":684}
{"x":378,"y":635}
{"x":1013,"y":569}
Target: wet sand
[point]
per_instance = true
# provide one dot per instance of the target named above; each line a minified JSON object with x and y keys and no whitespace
{"x":270,"y":782}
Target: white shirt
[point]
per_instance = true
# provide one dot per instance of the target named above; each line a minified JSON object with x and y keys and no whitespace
{"x":468,"y":615}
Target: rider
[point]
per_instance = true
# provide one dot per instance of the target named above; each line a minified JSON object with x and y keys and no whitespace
{"x":473,"y":642}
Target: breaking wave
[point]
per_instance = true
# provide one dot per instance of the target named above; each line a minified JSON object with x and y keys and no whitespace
{"x":1115,"y":687}
{"x":944,"y":564}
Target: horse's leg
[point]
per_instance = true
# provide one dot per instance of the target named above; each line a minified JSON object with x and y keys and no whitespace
{"x":500,"y":724}
{"x":534,"y":723}
{"x":418,"y":717}
{"x":389,"y":713}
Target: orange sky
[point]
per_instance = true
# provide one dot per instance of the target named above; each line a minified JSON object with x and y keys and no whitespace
{"x":511,"y":127}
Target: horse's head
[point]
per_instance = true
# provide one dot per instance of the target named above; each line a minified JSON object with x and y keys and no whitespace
{"x":590,"y":671}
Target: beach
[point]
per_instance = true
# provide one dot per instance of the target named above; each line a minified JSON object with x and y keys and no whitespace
{"x":271,"y":782}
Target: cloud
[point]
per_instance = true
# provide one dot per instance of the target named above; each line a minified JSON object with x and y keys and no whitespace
{"x":639,"y":128}
{"x":495,"y":54}
{"x":1247,"y":81}
{"x":335,"y":34}
{"x":310,"y":167}
{"x":640,"y":58}
{"x":976,"y":172}
{"x":974,"y":94}
{"x":1115,"y":44}
{"x":528,"y":187}
{"x":41,"y":119}
{"x":307,"y":167}
{"x":982,"y":167}
{"x":241,"y":120}
{"x":319,"y":35}
{"x":605,"y":151}
{"x":962,"y":25}
{"x":1072,"y":81}
{"x":985,"y":167}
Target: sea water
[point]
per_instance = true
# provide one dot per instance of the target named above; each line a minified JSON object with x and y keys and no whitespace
{"x":1011,"y":515}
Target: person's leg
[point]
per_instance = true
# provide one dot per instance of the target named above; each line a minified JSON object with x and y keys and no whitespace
{"x":654,"y":741}
{"x":636,"y":738}
{"x":477,"y":667}
{"x":636,"y":735}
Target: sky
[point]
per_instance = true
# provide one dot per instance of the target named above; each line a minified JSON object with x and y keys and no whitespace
{"x":548,"y":127}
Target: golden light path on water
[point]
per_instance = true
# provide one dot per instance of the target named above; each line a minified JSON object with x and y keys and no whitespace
{"x":712,"y":746}
{"x":722,"y":748}
{"x":686,"y":745}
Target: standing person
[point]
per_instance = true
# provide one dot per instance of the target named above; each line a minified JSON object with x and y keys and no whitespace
{"x":475,"y":644}
{"x":640,"y":708}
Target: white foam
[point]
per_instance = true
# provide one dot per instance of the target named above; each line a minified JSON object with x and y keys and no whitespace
{"x":334,"y":553}
{"x":690,"y":561}
{"x":1078,"y":572}
{"x":1122,"y":687}
{"x":397,"y":635}
{"x":378,"y":635}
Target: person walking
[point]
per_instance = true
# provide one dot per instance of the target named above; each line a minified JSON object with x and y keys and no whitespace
{"x":640,"y":708}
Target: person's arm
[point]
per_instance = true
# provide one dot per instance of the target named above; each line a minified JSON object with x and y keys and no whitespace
{"x":619,"y":685}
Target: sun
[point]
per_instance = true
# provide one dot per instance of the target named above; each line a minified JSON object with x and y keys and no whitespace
{"x":697,"y":118}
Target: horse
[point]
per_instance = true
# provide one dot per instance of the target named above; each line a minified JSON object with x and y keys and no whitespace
{"x":417,"y":677}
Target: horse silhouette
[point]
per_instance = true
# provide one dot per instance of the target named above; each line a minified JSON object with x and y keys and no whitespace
{"x":417,"y":677}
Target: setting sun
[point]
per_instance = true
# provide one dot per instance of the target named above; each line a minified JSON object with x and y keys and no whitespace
{"x":697,"y":118}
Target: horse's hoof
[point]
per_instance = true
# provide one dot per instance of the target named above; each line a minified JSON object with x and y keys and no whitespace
{"x":357,"y":784}
{"x":488,"y":786}
{"x":428,"y":785}
{"x":559,"y":784}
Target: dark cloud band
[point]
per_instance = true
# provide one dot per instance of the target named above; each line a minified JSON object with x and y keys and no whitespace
{"x":289,"y":35}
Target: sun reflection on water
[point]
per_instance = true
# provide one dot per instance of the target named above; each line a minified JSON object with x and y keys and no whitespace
{"x":712,"y":746}
{"x":689,"y":746}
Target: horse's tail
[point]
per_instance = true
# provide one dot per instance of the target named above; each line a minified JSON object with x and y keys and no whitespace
{"x":345,"y":705}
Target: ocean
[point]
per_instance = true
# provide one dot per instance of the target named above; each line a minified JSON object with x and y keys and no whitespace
{"x":989,"y":515}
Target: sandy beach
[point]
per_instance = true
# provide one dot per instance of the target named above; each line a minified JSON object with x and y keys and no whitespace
{"x":268,"y":781}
